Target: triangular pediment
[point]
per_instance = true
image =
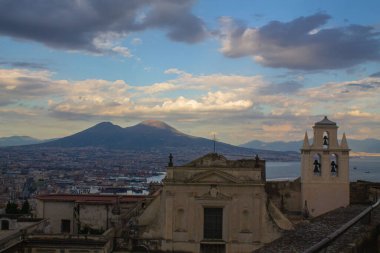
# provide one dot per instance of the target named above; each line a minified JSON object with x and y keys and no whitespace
{"x":209,"y":160}
{"x":214,"y":176}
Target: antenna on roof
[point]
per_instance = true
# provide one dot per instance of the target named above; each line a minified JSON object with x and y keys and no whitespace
{"x":214,"y":140}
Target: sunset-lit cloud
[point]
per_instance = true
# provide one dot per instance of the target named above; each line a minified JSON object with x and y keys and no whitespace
{"x":234,"y":98}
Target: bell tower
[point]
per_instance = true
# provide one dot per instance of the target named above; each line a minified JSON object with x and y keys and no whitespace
{"x":324,"y":170}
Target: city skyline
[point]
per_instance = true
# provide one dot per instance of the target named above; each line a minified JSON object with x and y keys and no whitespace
{"x":252,"y":70}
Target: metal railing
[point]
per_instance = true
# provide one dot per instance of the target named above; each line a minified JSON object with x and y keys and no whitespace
{"x":324,"y":243}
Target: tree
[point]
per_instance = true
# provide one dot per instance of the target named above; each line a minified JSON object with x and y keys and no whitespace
{"x":25,"y":209}
{"x":11,"y":208}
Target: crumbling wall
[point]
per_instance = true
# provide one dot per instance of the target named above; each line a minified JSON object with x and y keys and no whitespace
{"x":286,"y":195}
{"x":364,"y":192}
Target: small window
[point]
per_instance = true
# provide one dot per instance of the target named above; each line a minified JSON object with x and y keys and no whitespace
{"x":4,"y":225}
{"x":65,"y":226}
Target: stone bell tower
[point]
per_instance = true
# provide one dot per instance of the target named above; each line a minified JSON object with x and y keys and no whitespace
{"x":324,"y":170}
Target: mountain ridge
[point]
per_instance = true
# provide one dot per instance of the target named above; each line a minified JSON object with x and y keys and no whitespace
{"x":151,"y":138}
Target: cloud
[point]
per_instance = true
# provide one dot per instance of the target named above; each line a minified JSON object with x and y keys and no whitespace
{"x":287,"y":87}
{"x":84,"y":25}
{"x":19,"y":84}
{"x":249,"y":105}
{"x":23,"y":64}
{"x":109,"y":43}
{"x":377,"y":74}
{"x":136,"y":41}
{"x":303,"y":43}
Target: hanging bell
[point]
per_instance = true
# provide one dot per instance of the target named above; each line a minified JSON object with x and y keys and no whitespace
{"x":316,"y":166}
{"x":325,"y":140}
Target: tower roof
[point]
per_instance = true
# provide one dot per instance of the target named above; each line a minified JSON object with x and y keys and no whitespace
{"x":306,"y":143}
{"x":325,"y":122}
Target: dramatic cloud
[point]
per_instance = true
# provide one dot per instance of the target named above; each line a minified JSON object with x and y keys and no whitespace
{"x":302,"y":43}
{"x":95,"y":25}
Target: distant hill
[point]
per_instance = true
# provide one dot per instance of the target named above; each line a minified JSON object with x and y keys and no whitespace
{"x":18,"y":141}
{"x":276,"y":145}
{"x":155,"y":136}
{"x":367,"y":145}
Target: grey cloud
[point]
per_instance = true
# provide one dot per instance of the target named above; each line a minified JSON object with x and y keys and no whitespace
{"x":72,"y":115}
{"x":27,"y":87}
{"x":75,"y":24}
{"x":287,"y":87}
{"x":303,"y":44}
{"x":364,"y":86}
{"x":377,"y":74}
{"x":21,"y":64}
{"x":5,"y":100}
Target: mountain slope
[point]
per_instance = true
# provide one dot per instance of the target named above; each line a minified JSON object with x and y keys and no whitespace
{"x":17,"y":141}
{"x":101,"y":135}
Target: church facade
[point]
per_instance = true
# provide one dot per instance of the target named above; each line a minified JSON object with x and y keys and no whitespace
{"x":212,"y":205}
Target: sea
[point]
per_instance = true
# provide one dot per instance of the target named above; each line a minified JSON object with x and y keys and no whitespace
{"x":361,"y":168}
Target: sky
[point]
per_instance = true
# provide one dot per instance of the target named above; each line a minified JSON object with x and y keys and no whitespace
{"x":243,"y":70}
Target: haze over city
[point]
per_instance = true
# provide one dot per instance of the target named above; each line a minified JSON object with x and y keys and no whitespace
{"x":241,"y":69}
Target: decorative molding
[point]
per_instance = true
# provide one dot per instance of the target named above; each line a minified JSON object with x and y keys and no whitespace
{"x":227,"y":178}
{"x":213,"y":194}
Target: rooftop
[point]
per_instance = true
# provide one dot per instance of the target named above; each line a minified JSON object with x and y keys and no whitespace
{"x":311,"y":232}
{"x":325,"y":122}
{"x":219,"y":161}
{"x":90,"y":198}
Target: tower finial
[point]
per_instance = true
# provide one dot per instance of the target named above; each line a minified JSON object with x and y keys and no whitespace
{"x":343,"y":143}
{"x":306,"y":143}
{"x":257,"y":161}
{"x":170,"y":164}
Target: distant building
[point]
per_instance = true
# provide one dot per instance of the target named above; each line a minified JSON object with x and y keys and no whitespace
{"x":74,"y":214}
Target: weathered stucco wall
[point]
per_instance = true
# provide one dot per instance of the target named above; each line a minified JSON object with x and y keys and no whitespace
{"x":286,"y":195}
